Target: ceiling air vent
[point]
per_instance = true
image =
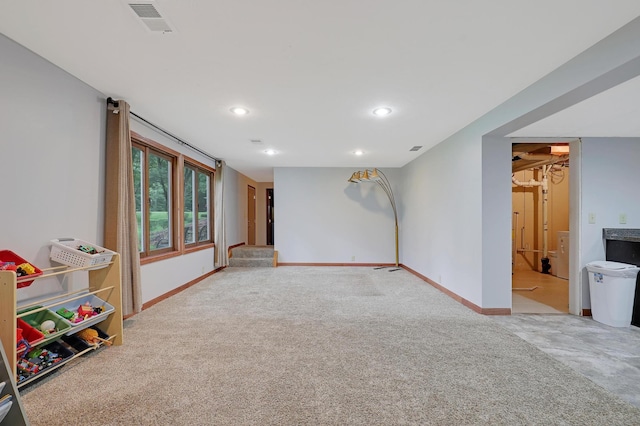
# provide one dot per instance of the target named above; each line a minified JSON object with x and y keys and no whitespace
{"x":256,"y":141}
{"x":416,"y":148}
{"x":150,"y":17}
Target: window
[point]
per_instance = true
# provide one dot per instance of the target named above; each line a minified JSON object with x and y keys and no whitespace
{"x":197,"y":205}
{"x":154,"y":191}
{"x":169,"y":186}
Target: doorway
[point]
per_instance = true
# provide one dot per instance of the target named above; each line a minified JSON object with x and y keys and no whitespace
{"x":540,"y":228}
{"x":251,"y":215}
{"x":270,"y":217}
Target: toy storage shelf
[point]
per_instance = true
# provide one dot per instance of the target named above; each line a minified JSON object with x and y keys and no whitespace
{"x":104,"y":283}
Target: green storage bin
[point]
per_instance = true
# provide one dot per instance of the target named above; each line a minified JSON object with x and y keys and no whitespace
{"x":36,"y":319}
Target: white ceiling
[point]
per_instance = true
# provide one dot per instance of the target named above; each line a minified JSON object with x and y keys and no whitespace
{"x":311,"y":72}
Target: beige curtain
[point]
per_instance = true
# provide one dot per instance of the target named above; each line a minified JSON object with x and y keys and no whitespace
{"x":120,"y":224}
{"x":220,"y":237}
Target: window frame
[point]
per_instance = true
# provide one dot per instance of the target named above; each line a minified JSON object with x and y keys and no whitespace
{"x":198,"y":168}
{"x":179,"y":161}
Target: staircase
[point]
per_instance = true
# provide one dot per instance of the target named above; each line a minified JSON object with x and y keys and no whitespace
{"x":253,"y":257}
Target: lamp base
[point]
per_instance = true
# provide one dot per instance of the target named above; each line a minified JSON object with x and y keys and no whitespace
{"x":394,"y":268}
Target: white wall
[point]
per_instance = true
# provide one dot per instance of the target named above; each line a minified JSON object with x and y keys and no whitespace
{"x":496,"y":223}
{"x":161,"y":277}
{"x":51,"y":163}
{"x":610,"y":178}
{"x":234,"y":226}
{"x":441,"y":220}
{"x":322,"y":218}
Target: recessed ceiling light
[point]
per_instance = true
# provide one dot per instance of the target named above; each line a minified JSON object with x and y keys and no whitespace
{"x":359,"y":152}
{"x":270,"y":152}
{"x":382,"y":111}
{"x":239,"y":111}
{"x":560,"y":149}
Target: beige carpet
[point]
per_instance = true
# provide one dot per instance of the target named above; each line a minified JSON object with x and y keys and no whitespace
{"x":319,"y":346}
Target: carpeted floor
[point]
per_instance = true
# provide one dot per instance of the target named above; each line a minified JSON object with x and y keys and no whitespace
{"x":319,"y":346}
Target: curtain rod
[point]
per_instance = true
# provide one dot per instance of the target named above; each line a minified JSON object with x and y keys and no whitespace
{"x":171,"y":135}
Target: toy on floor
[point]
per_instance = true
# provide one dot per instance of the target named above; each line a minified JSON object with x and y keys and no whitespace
{"x":90,"y":336}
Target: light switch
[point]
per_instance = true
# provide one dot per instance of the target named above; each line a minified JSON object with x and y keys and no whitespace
{"x":592,"y":218}
{"x":623,"y":218}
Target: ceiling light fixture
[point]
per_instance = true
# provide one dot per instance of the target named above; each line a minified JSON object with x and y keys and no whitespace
{"x":270,"y":152}
{"x":560,"y":149}
{"x":359,"y":152}
{"x":382,"y":111}
{"x":239,"y":111}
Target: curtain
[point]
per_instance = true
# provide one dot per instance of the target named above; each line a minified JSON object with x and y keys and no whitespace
{"x":120,"y":222}
{"x":220,"y":237}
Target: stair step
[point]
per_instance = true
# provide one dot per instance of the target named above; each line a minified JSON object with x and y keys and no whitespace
{"x":251,"y":262}
{"x":252,"y":252}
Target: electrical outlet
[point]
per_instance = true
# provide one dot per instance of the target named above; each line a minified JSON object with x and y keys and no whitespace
{"x":623,"y":218}
{"x":592,"y":218}
{"x":203,"y":270}
{"x":353,"y":258}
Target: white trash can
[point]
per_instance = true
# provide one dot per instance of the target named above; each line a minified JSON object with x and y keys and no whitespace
{"x":612,"y":286}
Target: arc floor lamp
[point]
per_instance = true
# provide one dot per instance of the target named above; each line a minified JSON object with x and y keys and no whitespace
{"x":378,"y":177}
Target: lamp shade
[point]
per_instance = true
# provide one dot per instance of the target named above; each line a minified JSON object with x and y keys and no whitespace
{"x":355,"y":177}
{"x":374,"y":175}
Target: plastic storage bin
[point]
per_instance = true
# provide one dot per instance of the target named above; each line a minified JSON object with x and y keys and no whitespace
{"x":40,"y":360}
{"x":9,"y":256}
{"x":79,"y":344}
{"x":24,"y":332}
{"x":612,"y":286}
{"x":66,"y":251}
{"x":73,"y":306}
{"x":35,"y":320}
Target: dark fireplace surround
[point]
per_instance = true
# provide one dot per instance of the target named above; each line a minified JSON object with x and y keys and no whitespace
{"x":623,"y":245}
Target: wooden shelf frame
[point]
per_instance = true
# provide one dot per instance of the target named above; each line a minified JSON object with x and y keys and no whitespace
{"x":105,"y":281}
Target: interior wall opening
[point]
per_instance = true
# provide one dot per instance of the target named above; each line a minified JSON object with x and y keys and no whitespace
{"x":540,"y":227}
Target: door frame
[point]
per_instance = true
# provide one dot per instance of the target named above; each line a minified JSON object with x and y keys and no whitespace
{"x":270,"y":217}
{"x":251,"y":202}
{"x":575,"y":182}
